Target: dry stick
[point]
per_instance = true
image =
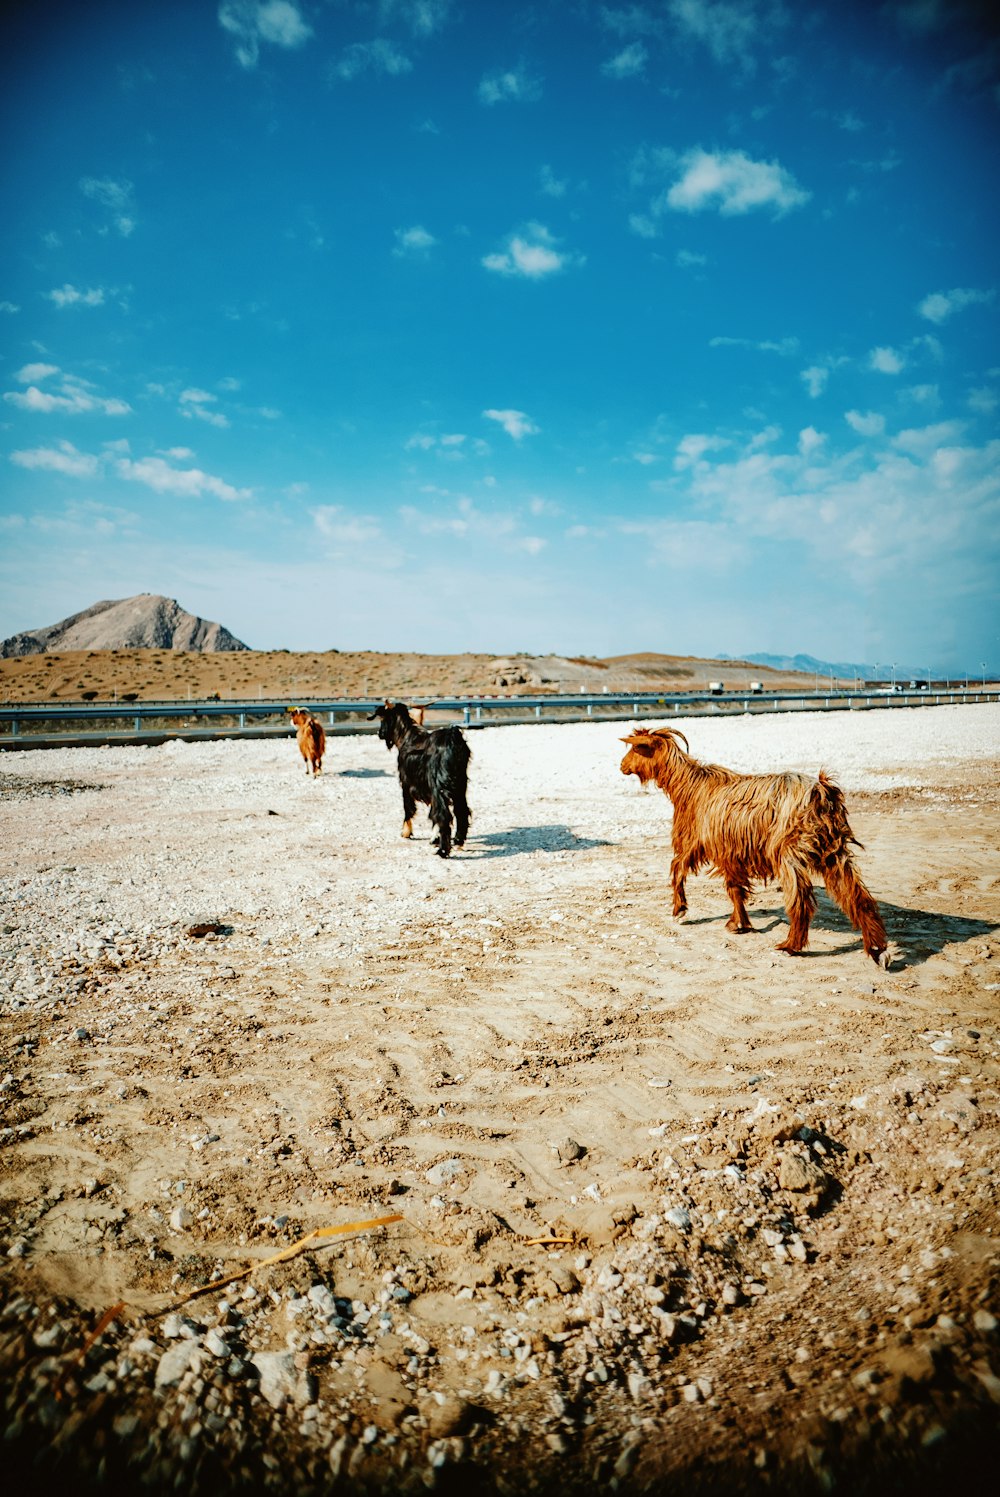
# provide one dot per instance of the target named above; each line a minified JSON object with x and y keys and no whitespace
{"x":292,"y":1251}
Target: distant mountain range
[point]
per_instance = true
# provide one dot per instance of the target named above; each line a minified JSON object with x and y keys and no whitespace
{"x":145,"y":622}
{"x":843,"y":670}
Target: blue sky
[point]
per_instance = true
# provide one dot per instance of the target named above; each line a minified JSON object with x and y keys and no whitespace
{"x":440,"y":325}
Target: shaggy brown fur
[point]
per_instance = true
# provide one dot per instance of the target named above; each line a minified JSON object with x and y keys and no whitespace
{"x":311,"y":737}
{"x":763,"y":826}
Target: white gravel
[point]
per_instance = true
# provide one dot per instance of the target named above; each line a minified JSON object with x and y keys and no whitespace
{"x":185,"y":832}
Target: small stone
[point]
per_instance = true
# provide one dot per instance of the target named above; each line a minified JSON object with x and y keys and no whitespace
{"x":796,"y":1173}
{"x":984,"y":1321}
{"x":441,"y":1174}
{"x":175,"y":1362}
{"x":277,"y":1373}
{"x":454,"y":1416}
{"x":217,"y":1344}
{"x":180,"y":1219}
{"x":678,"y":1217}
{"x":731,"y":1294}
{"x":569,"y":1150}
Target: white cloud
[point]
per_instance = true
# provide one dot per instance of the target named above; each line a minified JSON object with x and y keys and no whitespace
{"x":640,"y":224}
{"x":415,"y":241}
{"x":187,"y":483}
{"x":69,"y":296}
{"x":532,"y":544}
{"x":983,"y":400}
{"x":922,"y":441}
{"x":692,"y":449}
{"x":278,"y":22}
{"x":886,"y":361}
{"x":729,"y":29}
{"x":62,"y":459}
{"x":689,"y":259}
{"x":510,"y":86}
{"x":866,"y":424}
{"x":531,"y":254}
{"x":344,"y":529}
{"x":628,"y":63}
{"x":941,"y":305}
{"x":810,"y":441}
{"x":815,"y":379}
{"x":33,"y":372}
{"x":75,"y":397}
{"x":515,"y":423}
{"x":379,"y":57}
{"x":9,"y":306}
{"x":116,"y":197}
{"x":734,"y":183}
{"x":550,"y":184}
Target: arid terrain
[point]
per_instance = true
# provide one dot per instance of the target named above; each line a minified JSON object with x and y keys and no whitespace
{"x":668,"y":1210}
{"x":280,"y":675}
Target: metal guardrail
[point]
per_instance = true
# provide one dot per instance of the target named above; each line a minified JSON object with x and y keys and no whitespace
{"x":26,"y":722}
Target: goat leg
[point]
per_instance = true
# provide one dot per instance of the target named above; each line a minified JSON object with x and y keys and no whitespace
{"x":739,"y":920}
{"x":844,"y":886}
{"x":800,"y":904}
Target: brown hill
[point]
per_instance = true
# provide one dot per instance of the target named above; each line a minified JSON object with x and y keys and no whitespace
{"x":280,"y":675}
{"x":144,"y":622}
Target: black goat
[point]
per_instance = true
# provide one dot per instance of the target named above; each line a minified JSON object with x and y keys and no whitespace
{"x":433,"y":767}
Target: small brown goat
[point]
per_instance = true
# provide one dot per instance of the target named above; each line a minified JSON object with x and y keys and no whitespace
{"x":311,"y":737}
{"x":762,"y":826}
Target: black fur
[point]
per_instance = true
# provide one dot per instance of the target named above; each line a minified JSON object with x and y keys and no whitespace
{"x":433,"y":767}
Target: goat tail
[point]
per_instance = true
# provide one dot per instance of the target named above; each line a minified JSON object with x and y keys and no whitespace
{"x":458,"y":750}
{"x":827,"y":800}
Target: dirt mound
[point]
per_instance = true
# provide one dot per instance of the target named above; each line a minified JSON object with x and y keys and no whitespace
{"x":147,"y":621}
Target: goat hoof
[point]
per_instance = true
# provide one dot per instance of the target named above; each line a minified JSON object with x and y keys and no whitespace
{"x":679,"y":919}
{"x":881,"y":959}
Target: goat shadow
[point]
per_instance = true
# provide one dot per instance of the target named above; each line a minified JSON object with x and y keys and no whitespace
{"x":363,"y":774}
{"x":523,"y":839}
{"x":916,"y":935}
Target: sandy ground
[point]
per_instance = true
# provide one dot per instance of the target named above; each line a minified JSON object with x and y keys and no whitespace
{"x":771,"y":1182}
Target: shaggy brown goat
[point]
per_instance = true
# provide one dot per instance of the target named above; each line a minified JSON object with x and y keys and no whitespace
{"x":758,"y":826}
{"x":311,"y":737}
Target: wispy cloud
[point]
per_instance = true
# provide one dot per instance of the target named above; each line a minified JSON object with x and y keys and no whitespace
{"x":689,"y":259}
{"x":734,"y":183}
{"x":9,"y":307}
{"x":116,"y":196}
{"x":277,"y":22}
{"x":941,"y":305}
{"x":198,"y":405}
{"x":628,"y":63}
{"x":423,"y":17}
{"x":729,"y":29}
{"x":344,"y":529}
{"x":510,"y":86}
{"x":784,"y":346}
{"x":187,"y":483}
{"x":531,"y":253}
{"x":551,"y":185}
{"x":515,"y":423}
{"x":379,"y":56}
{"x":70,"y":296}
{"x":64,"y":458}
{"x":415,"y":241}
